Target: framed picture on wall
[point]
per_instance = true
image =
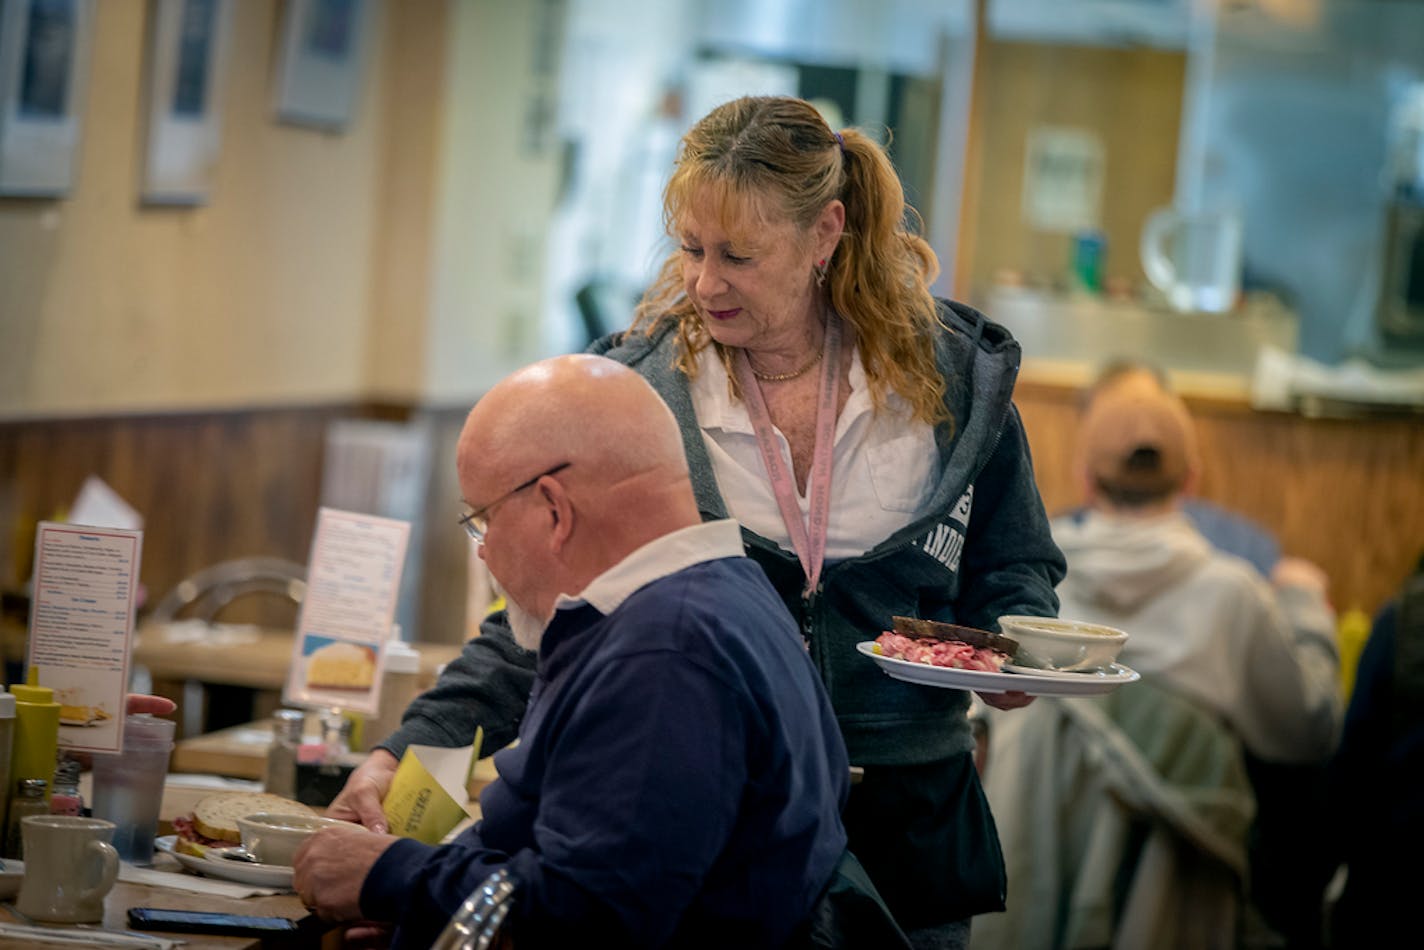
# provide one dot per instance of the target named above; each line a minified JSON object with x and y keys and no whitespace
{"x":44,"y":66}
{"x":322,"y":61}
{"x":187,"y":57}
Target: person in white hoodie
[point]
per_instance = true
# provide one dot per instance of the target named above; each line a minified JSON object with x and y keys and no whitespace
{"x":1239,"y":678}
{"x":1260,"y":653}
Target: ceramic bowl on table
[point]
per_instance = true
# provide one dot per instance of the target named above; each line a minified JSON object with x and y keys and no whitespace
{"x":1048,"y":643}
{"x":274,"y":839}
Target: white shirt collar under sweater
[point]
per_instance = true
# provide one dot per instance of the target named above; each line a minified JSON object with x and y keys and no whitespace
{"x":655,"y":560}
{"x":885,"y":465}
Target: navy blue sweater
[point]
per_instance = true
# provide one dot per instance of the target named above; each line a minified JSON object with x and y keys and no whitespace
{"x":678,"y":781}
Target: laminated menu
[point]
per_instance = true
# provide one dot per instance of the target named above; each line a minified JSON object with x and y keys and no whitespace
{"x":81,"y":628}
{"x":353,"y":582}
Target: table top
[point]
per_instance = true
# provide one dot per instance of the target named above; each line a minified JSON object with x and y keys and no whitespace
{"x":241,"y":655}
{"x":127,"y":894}
{"x":241,"y":752}
{"x":180,"y":793}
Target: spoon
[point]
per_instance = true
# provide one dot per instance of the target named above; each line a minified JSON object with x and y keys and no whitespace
{"x":239,"y":853}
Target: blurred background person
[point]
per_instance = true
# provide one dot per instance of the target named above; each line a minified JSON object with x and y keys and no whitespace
{"x":863,"y":435}
{"x":1378,"y":771}
{"x":1258,"y":654}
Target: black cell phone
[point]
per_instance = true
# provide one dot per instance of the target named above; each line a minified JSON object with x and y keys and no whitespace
{"x":205,"y":922}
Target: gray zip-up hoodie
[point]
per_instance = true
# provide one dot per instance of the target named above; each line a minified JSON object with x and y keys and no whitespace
{"x":983,"y":551}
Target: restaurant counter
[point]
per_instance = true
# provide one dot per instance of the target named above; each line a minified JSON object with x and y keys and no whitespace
{"x":1343,"y":493}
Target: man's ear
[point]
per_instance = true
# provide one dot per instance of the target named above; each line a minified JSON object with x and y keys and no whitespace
{"x":559,"y":510}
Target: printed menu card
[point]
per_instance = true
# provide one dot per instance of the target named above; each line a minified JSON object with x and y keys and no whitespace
{"x":81,"y":628}
{"x":353,"y":583}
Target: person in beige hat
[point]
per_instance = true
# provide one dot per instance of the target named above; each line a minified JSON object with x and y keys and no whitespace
{"x":1262,"y":655}
{"x":1137,"y":447}
{"x":1254,"y":653}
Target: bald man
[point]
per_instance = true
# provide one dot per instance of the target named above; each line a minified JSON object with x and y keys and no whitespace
{"x":679,"y":775}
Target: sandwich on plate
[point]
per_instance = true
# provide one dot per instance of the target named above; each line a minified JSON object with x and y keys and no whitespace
{"x":213,"y":820}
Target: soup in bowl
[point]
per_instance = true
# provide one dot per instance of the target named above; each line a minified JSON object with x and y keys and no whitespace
{"x":1050,"y":643}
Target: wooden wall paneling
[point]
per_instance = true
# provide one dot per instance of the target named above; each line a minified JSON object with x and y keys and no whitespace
{"x":215,"y":486}
{"x":210,"y":486}
{"x":447,"y":547}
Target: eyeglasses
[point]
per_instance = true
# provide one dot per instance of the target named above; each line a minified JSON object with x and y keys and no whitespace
{"x":476,"y":523}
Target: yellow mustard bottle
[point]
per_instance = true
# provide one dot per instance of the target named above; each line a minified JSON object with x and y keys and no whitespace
{"x":36,"y":731}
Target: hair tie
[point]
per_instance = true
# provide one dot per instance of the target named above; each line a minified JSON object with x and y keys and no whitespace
{"x":840,"y":142}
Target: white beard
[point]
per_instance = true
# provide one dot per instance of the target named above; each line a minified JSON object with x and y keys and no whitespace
{"x":528,"y":629}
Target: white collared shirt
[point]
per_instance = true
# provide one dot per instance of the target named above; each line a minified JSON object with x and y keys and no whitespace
{"x":884,"y":465}
{"x":655,"y":560}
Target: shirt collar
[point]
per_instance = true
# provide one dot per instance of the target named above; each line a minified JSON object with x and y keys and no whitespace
{"x":716,"y":409}
{"x":655,"y":560}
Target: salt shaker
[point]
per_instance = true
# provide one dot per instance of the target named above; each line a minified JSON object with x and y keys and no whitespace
{"x":280,"y":776}
{"x":29,"y":800}
{"x":335,"y":736}
{"x":64,"y":796}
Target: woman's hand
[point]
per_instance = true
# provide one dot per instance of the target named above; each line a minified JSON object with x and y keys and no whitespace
{"x":145,"y":703}
{"x":1013,"y":699}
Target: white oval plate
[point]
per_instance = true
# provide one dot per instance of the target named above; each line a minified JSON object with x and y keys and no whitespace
{"x":1036,"y":683}
{"x":1114,"y":671}
{"x":214,"y":865}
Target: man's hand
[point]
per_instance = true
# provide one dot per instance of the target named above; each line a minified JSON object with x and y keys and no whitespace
{"x":360,"y":801}
{"x":331,"y":866}
{"x":1299,"y":572}
{"x":1013,"y":699}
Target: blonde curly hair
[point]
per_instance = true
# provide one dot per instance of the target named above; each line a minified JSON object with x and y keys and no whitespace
{"x":763,"y":157}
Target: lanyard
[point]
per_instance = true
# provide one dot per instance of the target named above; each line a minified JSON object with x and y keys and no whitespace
{"x":808,"y":539}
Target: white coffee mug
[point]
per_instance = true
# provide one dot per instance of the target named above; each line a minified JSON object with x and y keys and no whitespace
{"x":69,"y":867}
{"x":1194,"y":258}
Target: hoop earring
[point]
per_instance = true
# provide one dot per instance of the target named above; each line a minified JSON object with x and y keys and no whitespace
{"x":820,"y":271}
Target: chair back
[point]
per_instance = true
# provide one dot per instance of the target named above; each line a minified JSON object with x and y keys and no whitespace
{"x":1123,"y":819}
{"x":476,"y":925}
{"x":850,"y":913}
{"x":204,"y":594}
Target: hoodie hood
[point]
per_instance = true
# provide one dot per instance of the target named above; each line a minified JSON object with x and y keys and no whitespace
{"x":1118,"y":562}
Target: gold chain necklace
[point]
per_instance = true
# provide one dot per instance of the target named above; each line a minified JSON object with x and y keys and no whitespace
{"x":783,"y":377}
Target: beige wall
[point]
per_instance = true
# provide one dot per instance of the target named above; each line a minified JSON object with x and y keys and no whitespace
{"x":1130,"y":98}
{"x":271,"y":293}
{"x":496,"y":198}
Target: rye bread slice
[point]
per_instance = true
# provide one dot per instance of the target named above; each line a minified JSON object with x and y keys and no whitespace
{"x":215,"y":816}
{"x":936,"y":630}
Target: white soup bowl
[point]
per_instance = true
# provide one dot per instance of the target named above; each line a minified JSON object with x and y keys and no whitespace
{"x":1049,"y":643}
{"x":274,"y":839}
